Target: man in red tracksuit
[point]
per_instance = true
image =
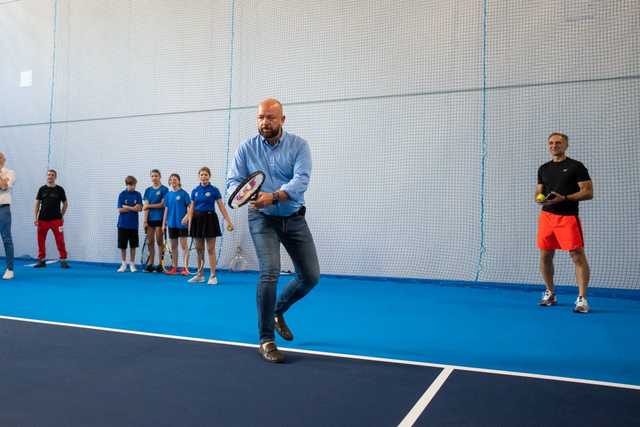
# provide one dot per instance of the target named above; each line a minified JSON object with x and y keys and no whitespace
{"x":51,"y":205}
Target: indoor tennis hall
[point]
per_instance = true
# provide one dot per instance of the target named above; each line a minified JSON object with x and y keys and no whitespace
{"x":425,"y":131}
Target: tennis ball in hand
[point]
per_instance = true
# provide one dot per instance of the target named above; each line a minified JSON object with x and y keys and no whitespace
{"x":229,"y":227}
{"x":540,"y":197}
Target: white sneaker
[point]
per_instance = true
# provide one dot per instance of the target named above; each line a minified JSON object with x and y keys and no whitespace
{"x":582,"y":305}
{"x":132,"y":267}
{"x":548,"y":299}
{"x":198,"y":278}
{"x":213,"y":280}
{"x":123,"y":268}
{"x":8,"y":274}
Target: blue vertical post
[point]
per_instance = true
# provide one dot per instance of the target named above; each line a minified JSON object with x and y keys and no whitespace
{"x":226,"y":161}
{"x":53,"y":80}
{"x":483,"y":139}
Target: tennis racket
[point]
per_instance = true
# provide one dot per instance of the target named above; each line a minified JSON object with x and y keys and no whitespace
{"x":144,"y":253}
{"x":239,"y":261}
{"x":193,"y":252}
{"x":165,"y":254}
{"x":247,"y":190}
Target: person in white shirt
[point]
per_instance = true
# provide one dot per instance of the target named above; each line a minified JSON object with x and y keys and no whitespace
{"x":7,"y":178}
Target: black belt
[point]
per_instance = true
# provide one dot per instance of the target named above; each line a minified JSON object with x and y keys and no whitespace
{"x":5,"y":205}
{"x":300,"y":212}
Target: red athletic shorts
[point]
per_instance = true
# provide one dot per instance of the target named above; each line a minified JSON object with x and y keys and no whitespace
{"x":559,"y":232}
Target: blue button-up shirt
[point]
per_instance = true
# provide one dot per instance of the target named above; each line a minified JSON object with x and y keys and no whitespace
{"x":286,"y":165}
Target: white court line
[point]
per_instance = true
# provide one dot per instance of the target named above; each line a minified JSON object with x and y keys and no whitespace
{"x":49,"y":261}
{"x":341,"y":355}
{"x":422,"y":403}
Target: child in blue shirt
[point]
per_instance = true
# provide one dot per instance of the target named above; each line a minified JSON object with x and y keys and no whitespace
{"x":177,"y":203}
{"x":129,"y":204}
{"x":153,"y":213}
{"x":204,"y":224}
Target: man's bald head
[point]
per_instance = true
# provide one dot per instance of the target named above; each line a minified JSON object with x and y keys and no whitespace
{"x":271,"y":104}
{"x":270,"y":118}
{"x":3,"y":159}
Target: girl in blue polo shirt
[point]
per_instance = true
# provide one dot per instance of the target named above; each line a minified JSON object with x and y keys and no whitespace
{"x":204,"y":224}
{"x":177,"y":203}
{"x":153,"y":212}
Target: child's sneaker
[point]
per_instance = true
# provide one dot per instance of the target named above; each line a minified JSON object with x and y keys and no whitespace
{"x":149,"y":268}
{"x":213,"y":280}
{"x":123,"y":268}
{"x":172,"y":271}
{"x":548,"y":299}
{"x":198,"y":278}
{"x":582,"y":305}
{"x":185,"y":272}
{"x":132,"y":267}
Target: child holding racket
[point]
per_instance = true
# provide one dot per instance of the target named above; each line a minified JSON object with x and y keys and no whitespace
{"x":153,"y":213}
{"x":204,"y":225}
{"x":177,"y":203}
{"x":129,"y":204}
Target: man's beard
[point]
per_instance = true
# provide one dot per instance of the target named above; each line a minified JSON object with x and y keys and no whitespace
{"x":269,"y":133}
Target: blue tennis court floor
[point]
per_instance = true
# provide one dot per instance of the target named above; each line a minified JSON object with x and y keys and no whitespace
{"x":89,"y":346}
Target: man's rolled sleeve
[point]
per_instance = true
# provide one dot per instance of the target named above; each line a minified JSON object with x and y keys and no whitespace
{"x":301,"y":175}
{"x":237,"y":171}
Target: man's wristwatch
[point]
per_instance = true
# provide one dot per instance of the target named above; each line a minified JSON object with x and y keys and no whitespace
{"x":276,"y":200}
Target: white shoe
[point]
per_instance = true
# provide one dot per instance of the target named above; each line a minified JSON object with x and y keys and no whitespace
{"x":213,"y":280}
{"x":548,"y":299}
{"x":132,"y":267}
{"x":8,"y":274}
{"x":582,"y":305}
{"x":123,"y":268}
{"x":198,"y":278}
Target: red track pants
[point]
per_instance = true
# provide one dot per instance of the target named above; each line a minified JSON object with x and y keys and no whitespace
{"x":43,"y":228}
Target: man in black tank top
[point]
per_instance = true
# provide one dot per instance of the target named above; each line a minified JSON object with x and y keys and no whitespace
{"x":562,"y":184}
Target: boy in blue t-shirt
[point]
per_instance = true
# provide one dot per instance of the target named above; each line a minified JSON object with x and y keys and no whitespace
{"x":129,"y":204}
{"x":177,"y":202}
{"x":153,"y":213}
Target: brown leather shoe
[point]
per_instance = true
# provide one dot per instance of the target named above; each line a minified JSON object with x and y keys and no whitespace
{"x":282,"y":328}
{"x":270,"y":352}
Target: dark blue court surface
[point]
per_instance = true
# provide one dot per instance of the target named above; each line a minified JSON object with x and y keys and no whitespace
{"x":66,"y":376}
{"x":480,"y":399}
{"x":63,"y":376}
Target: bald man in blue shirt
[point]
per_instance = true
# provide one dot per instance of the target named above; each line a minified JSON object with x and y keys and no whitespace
{"x":277,"y":216}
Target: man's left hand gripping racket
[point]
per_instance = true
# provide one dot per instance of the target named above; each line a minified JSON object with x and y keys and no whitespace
{"x":247,"y":190}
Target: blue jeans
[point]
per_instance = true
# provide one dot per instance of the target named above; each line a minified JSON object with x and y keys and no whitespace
{"x":267,"y":233}
{"x":5,"y":232}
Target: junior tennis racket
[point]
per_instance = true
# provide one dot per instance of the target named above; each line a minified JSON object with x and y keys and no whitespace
{"x":145,"y":257}
{"x":192,"y":252}
{"x":165,"y":254}
{"x":247,"y":190}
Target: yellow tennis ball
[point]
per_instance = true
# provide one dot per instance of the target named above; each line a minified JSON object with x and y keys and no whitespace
{"x":540,"y":197}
